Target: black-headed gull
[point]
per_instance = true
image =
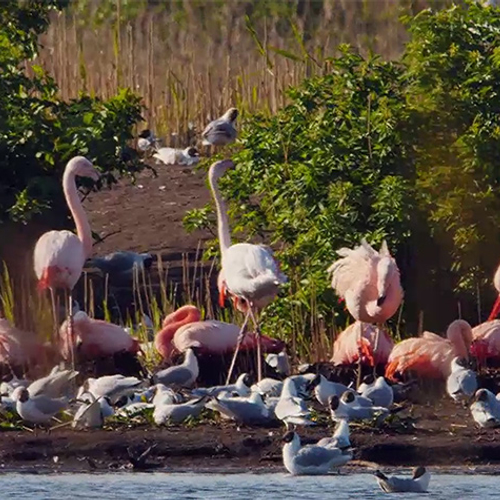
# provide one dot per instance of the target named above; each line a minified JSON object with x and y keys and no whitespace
{"x":292,"y":409}
{"x":324,"y":389}
{"x":378,"y":391}
{"x":311,"y":459}
{"x":176,"y":413}
{"x":221,"y":132}
{"x":187,"y":157}
{"x":418,"y":483}
{"x":183,"y":375}
{"x":37,"y":409}
{"x":485,"y":409}
{"x":461,"y":384}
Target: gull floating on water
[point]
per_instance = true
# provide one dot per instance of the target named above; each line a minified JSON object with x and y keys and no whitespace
{"x":462,"y":382}
{"x":311,"y":459}
{"x":378,"y":391}
{"x":178,"y":157}
{"x":485,"y":408}
{"x":221,"y":132}
{"x":418,"y":483}
{"x":183,"y":375}
{"x":292,"y":409}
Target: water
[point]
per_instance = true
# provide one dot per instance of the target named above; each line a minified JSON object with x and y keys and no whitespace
{"x":142,"y":486}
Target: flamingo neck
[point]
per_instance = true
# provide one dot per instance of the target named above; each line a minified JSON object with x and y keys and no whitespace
{"x":460,"y":336}
{"x":222,"y":219}
{"x":495,"y":310}
{"x":181,"y":317}
{"x":75,"y":205}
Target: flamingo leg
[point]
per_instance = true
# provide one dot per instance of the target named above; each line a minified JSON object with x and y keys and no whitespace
{"x":241,"y":336}
{"x":358,"y":380}
{"x":71,"y":329}
{"x":54,"y":315}
{"x":259,"y":347}
{"x":375,"y":346}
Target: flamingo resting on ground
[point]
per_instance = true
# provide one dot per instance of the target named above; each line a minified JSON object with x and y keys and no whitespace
{"x":350,"y":344}
{"x":97,"y":338}
{"x":368,"y":281}
{"x":59,"y":256}
{"x":430,"y":355}
{"x":249,"y":272}
{"x":183,"y":329}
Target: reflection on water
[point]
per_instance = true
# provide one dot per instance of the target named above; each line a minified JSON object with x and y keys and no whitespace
{"x":139,"y":486}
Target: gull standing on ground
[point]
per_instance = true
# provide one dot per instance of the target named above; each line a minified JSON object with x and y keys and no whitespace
{"x":221,"y":132}
{"x":347,"y":407}
{"x":418,"y":483}
{"x":183,"y":375}
{"x":240,"y":387}
{"x":311,"y":459}
{"x":462,"y":382}
{"x":292,"y":409}
{"x":324,"y":389}
{"x":251,"y":410}
{"x":37,"y":409}
{"x":176,"y":413}
{"x":110,"y":386}
{"x":187,"y":157}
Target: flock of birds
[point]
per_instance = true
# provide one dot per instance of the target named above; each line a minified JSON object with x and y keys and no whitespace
{"x":366,"y":279}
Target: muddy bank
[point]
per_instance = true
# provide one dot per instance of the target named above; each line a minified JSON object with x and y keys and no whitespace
{"x":442,"y":435}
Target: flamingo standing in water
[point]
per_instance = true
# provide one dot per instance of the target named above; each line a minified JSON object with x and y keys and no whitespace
{"x":249,"y":272}
{"x":349,"y":347}
{"x":370,"y":284}
{"x":59,"y":256}
{"x":183,"y":329}
{"x":430,"y":355}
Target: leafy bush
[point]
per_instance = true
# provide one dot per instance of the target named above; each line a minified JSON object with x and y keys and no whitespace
{"x":406,"y":152}
{"x":39,"y":132}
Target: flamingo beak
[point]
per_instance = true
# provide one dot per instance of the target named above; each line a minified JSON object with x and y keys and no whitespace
{"x":495,"y":310}
{"x":222,"y":295}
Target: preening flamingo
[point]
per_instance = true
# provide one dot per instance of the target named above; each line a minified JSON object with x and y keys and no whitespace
{"x":368,"y":281}
{"x":183,"y":329}
{"x":430,"y":355}
{"x":97,"y":338}
{"x":59,"y":256}
{"x":486,"y":340}
{"x":349,"y":345}
{"x":250,"y":273}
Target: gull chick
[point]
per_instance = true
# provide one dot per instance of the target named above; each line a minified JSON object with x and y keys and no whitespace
{"x":418,"y":483}
{"x":311,"y":459}
{"x":221,"y":132}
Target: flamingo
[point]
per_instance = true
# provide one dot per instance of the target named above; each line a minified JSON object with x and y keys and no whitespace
{"x":431,"y":355}
{"x":97,"y":337}
{"x":184,"y":329}
{"x":349,"y":345}
{"x":250,"y":273}
{"x":496,"y":306}
{"x":59,"y":256}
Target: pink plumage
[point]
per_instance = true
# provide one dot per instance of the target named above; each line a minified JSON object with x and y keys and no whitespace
{"x":350,"y":344}
{"x":368,"y":281}
{"x":183,"y":329}
{"x":59,"y":256}
{"x":486,"y":340}
{"x":430,"y":355}
{"x":97,"y":337}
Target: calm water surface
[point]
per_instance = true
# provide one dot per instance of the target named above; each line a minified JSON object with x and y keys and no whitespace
{"x":238,"y":486}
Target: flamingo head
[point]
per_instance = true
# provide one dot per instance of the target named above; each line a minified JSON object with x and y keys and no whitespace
{"x":219,"y":168}
{"x":82,"y":167}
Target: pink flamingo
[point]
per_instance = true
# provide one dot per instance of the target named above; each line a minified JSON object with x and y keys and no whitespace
{"x":430,"y":355}
{"x":368,"y":281}
{"x":183,"y":329}
{"x":348,"y":346}
{"x":249,"y":272}
{"x":60,"y":255}
{"x":97,"y":337}
{"x":496,"y":306}
{"x":20,"y":348}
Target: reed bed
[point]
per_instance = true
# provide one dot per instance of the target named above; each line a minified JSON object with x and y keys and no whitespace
{"x":192,"y":59}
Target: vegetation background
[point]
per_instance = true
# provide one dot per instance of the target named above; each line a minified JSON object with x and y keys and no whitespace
{"x":394,"y":137}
